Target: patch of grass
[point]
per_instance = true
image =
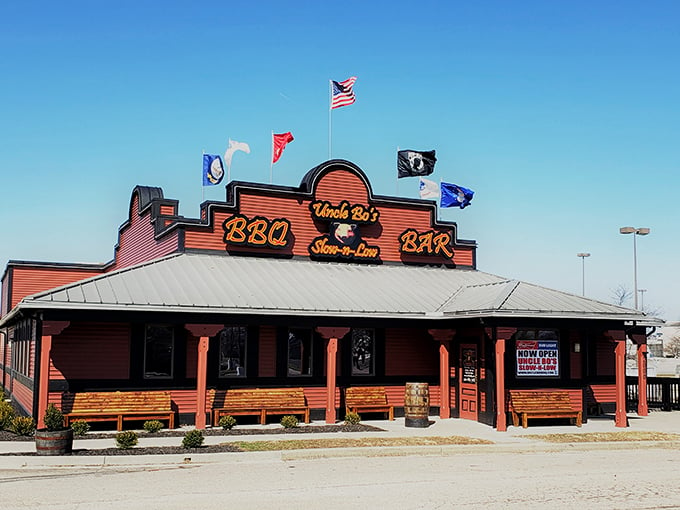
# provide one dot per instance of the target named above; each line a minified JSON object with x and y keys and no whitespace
{"x":302,"y":444}
{"x":604,"y":437}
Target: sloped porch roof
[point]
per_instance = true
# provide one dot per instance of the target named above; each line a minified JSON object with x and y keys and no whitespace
{"x":222,"y":284}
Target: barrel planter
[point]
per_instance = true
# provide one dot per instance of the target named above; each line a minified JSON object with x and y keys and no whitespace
{"x":417,"y":405}
{"x":57,"y":442}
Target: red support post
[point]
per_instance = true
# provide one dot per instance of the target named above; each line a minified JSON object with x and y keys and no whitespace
{"x":642,"y":380}
{"x":331,"y":375}
{"x":203,"y":332}
{"x":49,"y":329}
{"x":201,"y":381}
{"x":44,"y":384}
{"x":444,"y":380}
{"x":620,"y":419}
{"x":501,"y":423}
{"x":331,"y":335}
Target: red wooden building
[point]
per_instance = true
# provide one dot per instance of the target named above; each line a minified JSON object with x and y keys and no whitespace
{"x":322,"y":286}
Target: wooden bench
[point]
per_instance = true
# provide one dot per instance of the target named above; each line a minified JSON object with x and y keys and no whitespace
{"x":260,"y":402}
{"x":370,"y":399}
{"x":542,"y":404}
{"x":118,"y":406}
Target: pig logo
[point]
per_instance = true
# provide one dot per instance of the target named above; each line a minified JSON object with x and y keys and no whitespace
{"x":344,"y":234}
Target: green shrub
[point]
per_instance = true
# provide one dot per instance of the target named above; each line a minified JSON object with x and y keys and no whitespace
{"x":23,"y":426}
{"x":227,"y":422}
{"x":7,"y":414}
{"x":193,"y":439}
{"x":126,"y":439}
{"x":289,"y":421}
{"x":80,"y":427}
{"x":352,"y":418}
{"x":153,"y":426}
{"x":54,"y":419}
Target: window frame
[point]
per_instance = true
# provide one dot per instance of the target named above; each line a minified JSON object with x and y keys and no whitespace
{"x":244,"y":357}
{"x":309,"y":337}
{"x":145,"y":373}
{"x":354,"y":333}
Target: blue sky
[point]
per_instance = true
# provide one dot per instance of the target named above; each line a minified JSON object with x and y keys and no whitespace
{"x":562,"y":116}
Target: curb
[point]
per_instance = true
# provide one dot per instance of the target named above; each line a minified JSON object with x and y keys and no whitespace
{"x":17,"y":462}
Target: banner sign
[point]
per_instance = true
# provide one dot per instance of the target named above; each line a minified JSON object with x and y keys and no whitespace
{"x":538,"y":358}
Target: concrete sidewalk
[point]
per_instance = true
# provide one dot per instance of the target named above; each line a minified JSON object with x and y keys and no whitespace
{"x":514,"y":439}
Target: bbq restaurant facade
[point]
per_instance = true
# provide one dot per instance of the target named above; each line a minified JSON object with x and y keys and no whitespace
{"x":322,"y":286}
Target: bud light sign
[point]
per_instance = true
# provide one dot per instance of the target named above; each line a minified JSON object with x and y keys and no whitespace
{"x":538,"y":358}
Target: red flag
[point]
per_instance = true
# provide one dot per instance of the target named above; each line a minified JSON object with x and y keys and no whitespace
{"x":279,"y":143}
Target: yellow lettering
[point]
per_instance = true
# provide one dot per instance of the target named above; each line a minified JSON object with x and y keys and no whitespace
{"x":233,"y":230}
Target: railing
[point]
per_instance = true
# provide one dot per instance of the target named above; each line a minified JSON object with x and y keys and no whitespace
{"x":662,"y":393}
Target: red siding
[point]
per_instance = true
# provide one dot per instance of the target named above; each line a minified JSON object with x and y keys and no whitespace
{"x":30,"y":280}
{"x":168,"y":210}
{"x":23,"y":395}
{"x":91,"y":351}
{"x":4,"y":297}
{"x":185,"y":400}
{"x":396,"y":394}
{"x":333,"y":187}
{"x":604,"y":356}
{"x":410,"y":352}
{"x":267,"y":352}
{"x":137,"y":243}
{"x":316,"y":397}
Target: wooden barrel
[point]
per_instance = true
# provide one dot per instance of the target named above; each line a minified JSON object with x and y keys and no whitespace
{"x":58,"y":442}
{"x":417,"y":405}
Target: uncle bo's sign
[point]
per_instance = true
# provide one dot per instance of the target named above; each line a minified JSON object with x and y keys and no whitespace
{"x":537,"y":358}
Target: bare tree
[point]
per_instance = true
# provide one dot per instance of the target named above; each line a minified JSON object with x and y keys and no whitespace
{"x":621,"y":295}
{"x":652,"y":311}
{"x":672,"y":347}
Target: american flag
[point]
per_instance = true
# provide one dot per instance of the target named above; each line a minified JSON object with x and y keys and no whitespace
{"x":343,"y":94}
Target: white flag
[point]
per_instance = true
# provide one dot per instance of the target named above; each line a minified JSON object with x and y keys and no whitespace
{"x":233,"y":147}
{"x":428,"y":189}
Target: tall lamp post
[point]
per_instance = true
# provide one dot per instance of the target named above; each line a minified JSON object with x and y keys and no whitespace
{"x":583,"y":271}
{"x":642,"y":231}
{"x":642,"y":298}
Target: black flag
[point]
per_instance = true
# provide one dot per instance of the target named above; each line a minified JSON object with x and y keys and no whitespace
{"x":415,"y":163}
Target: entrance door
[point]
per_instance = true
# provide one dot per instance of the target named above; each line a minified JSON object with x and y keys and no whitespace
{"x":467,"y":385}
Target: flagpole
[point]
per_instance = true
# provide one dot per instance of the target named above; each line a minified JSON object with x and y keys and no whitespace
{"x":330,"y":111}
{"x":202,"y":187}
{"x":271,"y":164}
{"x":396,"y":184}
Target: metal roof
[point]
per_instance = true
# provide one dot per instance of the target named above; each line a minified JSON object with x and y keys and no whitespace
{"x":222,"y":284}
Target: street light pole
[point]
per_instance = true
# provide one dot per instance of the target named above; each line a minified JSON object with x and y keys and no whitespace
{"x":642,"y":231}
{"x":583,"y":271}
{"x":642,"y":298}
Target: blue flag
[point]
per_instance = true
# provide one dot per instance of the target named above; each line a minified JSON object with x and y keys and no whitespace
{"x":455,"y":196}
{"x":213,"y":170}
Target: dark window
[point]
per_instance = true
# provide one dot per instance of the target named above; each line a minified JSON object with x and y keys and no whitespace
{"x":299,"y":352}
{"x":233,"y":340}
{"x":159,"y":343}
{"x":363,"y":349}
